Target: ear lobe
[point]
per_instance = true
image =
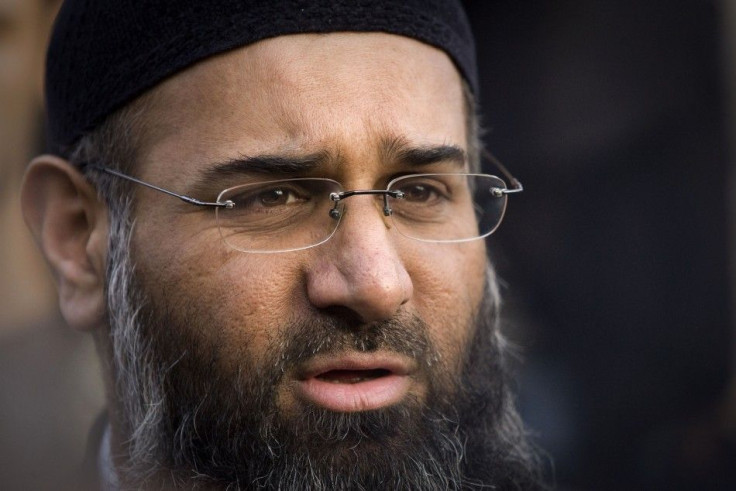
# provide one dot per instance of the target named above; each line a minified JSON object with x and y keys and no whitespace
{"x":69,"y":223}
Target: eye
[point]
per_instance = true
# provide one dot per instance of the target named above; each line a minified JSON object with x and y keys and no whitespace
{"x":417,"y":192}
{"x":422,"y":190}
{"x":254,"y":198}
{"x":274,"y":197}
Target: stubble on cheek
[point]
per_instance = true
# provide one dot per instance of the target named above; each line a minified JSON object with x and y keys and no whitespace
{"x":449,"y":291}
{"x":231,"y":303}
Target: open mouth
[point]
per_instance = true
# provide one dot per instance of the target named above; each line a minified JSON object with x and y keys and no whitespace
{"x":352,"y":376}
{"x":354,"y":382}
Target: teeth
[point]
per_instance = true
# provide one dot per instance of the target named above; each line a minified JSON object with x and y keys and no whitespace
{"x":351,"y":376}
{"x":353,"y":380}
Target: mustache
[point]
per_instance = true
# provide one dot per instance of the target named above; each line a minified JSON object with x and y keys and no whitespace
{"x":322,"y":334}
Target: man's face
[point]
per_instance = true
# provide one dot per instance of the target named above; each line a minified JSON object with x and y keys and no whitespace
{"x":370,"y":324}
{"x":349,"y":96}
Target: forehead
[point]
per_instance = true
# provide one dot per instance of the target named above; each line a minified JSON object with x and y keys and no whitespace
{"x":339,"y":93}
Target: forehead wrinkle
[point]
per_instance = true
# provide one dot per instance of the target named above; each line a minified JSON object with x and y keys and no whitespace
{"x":318,"y":105}
{"x":391,"y":146}
{"x":341,"y":136}
{"x":314,"y":98}
{"x":309,"y":88}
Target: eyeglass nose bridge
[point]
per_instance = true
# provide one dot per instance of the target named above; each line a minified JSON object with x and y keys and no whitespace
{"x":335,"y":212}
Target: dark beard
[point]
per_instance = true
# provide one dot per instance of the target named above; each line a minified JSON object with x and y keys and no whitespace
{"x":222,"y":428}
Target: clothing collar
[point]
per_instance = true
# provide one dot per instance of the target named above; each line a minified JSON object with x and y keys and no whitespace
{"x":108,"y":476}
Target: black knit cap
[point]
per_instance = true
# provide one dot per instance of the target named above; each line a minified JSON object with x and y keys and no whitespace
{"x":104,"y":53}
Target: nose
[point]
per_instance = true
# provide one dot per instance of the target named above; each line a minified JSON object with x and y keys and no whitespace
{"x":360,"y":268}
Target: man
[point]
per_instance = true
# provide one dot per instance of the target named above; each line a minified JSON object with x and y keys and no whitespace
{"x":316,"y":310}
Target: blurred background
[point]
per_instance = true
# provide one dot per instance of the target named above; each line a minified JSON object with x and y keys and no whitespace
{"x":50,"y":390}
{"x":619,"y":116}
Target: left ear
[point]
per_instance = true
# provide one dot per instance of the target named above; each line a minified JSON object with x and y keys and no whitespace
{"x":69,"y":223}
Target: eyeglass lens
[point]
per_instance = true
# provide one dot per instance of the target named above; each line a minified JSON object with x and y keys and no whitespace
{"x":293,"y":214}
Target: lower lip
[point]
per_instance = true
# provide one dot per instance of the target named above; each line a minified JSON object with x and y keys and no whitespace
{"x":362,"y":396}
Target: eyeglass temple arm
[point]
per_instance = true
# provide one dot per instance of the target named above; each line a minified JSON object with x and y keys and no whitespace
{"x":516,"y":186}
{"x":186,"y":199}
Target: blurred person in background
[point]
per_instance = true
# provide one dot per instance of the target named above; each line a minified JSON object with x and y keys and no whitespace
{"x":26,"y":294}
{"x":49,"y":390}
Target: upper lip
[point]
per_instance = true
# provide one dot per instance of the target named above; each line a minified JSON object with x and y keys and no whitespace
{"x":396,"y":364}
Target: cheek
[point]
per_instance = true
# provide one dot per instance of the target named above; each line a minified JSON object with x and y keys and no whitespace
{"x":232,"y":301}
{"x":448,"y":288}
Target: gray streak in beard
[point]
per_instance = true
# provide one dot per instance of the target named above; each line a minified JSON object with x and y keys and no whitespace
{"x":137,"y":382}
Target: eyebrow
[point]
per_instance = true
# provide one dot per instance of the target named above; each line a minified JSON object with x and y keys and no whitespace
{"x":400,"y":150}
{"x":393,"y":150}
{"x":265,"y":164}
{"x":261,"y":165}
